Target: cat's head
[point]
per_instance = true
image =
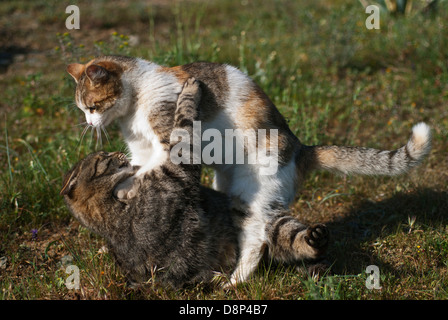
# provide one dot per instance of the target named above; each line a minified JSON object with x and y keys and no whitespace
{"x":98,"y":173}
{"x":100,"y":92}
{"x":88,"y":188}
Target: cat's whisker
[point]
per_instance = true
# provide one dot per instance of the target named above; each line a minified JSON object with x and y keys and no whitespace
{"x":80,"y":124}
{"x":72,"y":105}
{"x":83,"y":133}
{"x":124,"y":149}
{"x":99,"y":139}
{"x":101,"y":136}
{"x":68,"y":103}
{"x":91,"y":135}
{"x":128,"y":154}
{"x":106,"y":134}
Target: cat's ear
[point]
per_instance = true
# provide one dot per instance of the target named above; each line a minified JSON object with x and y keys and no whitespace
{"x":97,"y":74}
{"x":69,"y":181}
{"x":76,"y":70}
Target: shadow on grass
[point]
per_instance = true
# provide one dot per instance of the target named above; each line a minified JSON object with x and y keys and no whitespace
{"x":8,"y":54}
{"x":367,"y":225}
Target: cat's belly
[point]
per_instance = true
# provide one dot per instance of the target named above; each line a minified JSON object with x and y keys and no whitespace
{"x":246,"y":165}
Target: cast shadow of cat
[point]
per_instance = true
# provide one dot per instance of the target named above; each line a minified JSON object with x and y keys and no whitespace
{"x":364,"y":224}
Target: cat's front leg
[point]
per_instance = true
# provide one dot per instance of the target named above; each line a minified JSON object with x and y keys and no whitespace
{"x":146,"y":157}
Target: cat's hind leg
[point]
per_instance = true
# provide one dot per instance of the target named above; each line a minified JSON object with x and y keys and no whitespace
{"x":261,"y":194}
{"x":252,"y":244}
{"x":289,"y":240}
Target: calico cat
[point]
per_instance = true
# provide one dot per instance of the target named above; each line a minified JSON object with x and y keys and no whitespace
{"x":173,"y":227}
{"x":142,"y":96}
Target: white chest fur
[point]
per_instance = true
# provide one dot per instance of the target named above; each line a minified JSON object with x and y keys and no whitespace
{"x":152,"y":88}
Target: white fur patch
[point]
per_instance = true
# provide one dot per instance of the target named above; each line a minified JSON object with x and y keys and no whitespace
{"x":420,"y":143}
{"x":421,"y":133}
{"x":153,"y":87}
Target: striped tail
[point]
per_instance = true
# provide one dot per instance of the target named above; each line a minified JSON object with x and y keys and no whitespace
{"x":368,"y":161}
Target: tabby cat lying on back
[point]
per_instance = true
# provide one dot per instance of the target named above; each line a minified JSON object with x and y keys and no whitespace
{"x":173,"y":224}
{"x":142,"y":95}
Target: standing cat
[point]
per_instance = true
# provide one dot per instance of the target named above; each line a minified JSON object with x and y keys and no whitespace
{"x":173,"y":224}
{"x":142,"y":96}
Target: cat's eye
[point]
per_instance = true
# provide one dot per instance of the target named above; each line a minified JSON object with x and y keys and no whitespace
{"x":93,"y":108}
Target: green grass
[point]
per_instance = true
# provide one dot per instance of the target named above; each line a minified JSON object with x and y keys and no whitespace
{"x":336,"y":83}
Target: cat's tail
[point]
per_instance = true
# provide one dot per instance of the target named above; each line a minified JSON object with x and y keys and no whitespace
{"x":368,"y":161}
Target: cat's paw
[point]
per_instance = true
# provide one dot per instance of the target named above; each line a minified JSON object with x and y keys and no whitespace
{"x":192,"y":88}
{"x":317,"y":236}
{"x":126,"y":190}
{"x":191,"y":85}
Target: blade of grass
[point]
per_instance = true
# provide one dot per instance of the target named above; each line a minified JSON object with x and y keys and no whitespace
{"x":7,"y":153}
